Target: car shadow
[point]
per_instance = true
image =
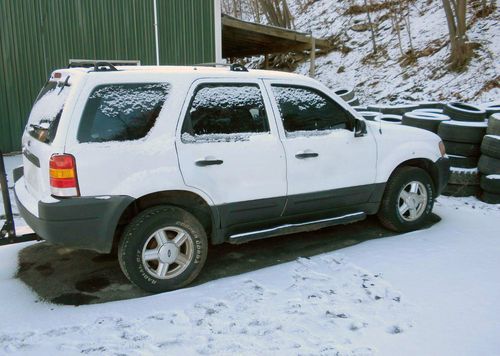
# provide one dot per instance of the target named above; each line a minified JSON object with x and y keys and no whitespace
{"x":77,"y":277}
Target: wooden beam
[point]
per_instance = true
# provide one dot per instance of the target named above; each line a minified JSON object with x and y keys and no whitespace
{"x":312,"y":65}
{"x":272,"y":31}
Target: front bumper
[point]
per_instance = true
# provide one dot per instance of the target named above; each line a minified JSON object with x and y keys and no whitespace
{"x":84,"y":222}
{"x":443,"y":174}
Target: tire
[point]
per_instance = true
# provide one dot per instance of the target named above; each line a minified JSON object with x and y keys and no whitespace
{"x":491,"y":108}
{"x":463,"y":162}
{"x":140,"y":233}
{"x":490,"y":198}
{"x":488,"y":165}
{"x":393,"y":109}
{"x":436,"y":105}
{"x":370,"y":115}
{"x":490,"y":184}
{"x":390,"y":118}
{"x":424,"y":120}
{"x":464,"y":112}
{"x":353,"y":102}
{"x":345,"y":94}
{"x":462,"y":149}
{"x":461,"y":190}
{"x":493,"y":125}
{"x":460,"y":131}
{"x":463,"y":177}
{"x":389,"y":213}
{"x":491,"y":146}
{"x":431,"y":110}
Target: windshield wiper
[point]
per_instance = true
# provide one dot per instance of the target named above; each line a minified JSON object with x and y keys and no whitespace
{"x":37,"y":127}
{"x":63,"y":85}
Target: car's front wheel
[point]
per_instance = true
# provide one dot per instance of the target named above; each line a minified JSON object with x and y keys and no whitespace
{"x":163,"y":248}
{"x":408,"y":200}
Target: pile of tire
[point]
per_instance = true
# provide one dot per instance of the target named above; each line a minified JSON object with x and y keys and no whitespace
{"x":462,"y":136}
{"x":489,"y":162}
{"x":348,"y":96}
{"x":427,"y":119}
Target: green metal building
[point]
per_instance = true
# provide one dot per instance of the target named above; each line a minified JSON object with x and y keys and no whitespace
{"x":38,"y":36}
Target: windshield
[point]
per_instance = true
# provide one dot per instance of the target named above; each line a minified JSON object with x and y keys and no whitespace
{"x":47,"y":110}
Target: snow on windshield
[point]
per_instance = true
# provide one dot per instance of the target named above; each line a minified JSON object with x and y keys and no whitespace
{"x":121,"y":99}
{"x":48,"y":105}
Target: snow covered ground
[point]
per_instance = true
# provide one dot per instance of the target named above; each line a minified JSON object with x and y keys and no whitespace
{"x":430,"y":292}
{"x":386,"y":80}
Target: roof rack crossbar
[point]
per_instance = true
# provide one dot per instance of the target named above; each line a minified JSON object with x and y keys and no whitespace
{"x":234,"y":67}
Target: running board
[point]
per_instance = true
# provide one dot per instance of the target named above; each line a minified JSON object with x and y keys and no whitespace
{"x":294,"y":228}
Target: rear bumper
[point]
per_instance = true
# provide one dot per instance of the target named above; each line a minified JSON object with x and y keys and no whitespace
{"x":443,"y":174}
{"x":85,"y":222}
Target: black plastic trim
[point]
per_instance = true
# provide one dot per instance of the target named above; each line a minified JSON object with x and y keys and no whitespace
{"x":31,"y":157}
{"x":443,"y":169}
{"x":241,"y":217}
{"x":84,"y":223}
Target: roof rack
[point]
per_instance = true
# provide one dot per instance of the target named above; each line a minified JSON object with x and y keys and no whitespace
{"x":101,"y":65}
{"x":234,"y":67}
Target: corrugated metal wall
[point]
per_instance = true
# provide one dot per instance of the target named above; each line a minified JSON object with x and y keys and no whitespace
{"x":38,"y":36}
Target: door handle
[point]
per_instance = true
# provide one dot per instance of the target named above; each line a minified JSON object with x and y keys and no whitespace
{"x":306,"y":154}
{"x":209,"y":162}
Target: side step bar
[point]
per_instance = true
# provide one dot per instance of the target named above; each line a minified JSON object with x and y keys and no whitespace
{"x":294,"y":228}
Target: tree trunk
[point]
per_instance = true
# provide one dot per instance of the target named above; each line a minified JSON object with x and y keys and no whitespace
{"x":455,"y":11}
{"x":371,"y":27}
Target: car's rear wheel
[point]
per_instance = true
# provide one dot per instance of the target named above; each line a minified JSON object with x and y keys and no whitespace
{"x":163,"y":248}
{"x":408,"y":200}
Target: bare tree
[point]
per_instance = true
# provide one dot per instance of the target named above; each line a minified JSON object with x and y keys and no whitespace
{"x":370,"y":23}
{"x":460,"y":53}
{"x":277,"y":13}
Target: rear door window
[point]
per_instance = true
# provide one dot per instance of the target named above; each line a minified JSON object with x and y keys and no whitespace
{"x":122,"y":112}
{"x":47,"y":110}
{"x":223,"y":111}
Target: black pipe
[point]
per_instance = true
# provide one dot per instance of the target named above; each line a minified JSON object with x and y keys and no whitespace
{"x":8,"y":229}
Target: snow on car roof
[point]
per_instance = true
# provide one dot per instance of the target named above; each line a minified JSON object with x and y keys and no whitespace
{"x":201,"y":70}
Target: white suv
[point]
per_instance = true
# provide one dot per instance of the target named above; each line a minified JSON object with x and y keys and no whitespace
{"x":161,"y":161}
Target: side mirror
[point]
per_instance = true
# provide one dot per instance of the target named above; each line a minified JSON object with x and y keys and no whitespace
{"x":359,"y":128}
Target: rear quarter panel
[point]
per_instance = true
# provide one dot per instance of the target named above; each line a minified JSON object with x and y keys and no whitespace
{"x":134,"y":168}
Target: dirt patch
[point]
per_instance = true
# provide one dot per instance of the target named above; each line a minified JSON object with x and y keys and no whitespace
{"x":75,"y":299}
{"x":92,"y":285}
{"x":77,"y":277}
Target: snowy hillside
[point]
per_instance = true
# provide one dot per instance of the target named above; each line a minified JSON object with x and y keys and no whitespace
{"x":384,"y":79}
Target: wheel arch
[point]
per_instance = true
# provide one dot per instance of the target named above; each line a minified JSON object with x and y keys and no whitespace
{"x":425,"y":164}
{"x":206,"y":214}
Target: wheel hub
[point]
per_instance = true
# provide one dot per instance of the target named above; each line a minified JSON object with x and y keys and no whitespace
{"x":412,"y":201}
{"x":168,"y":253}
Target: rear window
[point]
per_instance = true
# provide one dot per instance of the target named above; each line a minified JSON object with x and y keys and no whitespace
{"x":47,"y":110}
{"x":122,"y":112}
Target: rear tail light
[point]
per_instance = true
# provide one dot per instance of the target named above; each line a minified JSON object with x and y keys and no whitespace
{"x":63,"y":178}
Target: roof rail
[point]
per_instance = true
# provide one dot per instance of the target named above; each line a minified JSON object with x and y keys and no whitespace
{"x":99,"y":64}
{"x":234,"y":67}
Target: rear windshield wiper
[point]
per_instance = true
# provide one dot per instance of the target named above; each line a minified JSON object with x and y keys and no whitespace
{"x":63,"y":85}
{"x":37,"y":127}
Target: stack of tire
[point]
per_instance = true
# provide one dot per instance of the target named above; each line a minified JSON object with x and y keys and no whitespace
{"x":462,"y":137}
{"x":427,"y":119}
{"x":394,"y":114}
{"x":348,"y":96}
{"x":489,"y":162}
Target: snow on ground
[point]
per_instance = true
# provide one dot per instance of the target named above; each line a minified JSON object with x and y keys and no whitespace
{"x":386,"y":80}
{"x":430,"y":292}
